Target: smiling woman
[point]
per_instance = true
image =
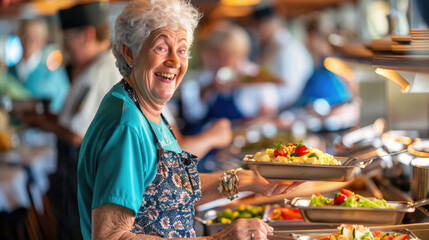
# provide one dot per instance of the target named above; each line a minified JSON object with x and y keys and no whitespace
{"x":134,"y":179}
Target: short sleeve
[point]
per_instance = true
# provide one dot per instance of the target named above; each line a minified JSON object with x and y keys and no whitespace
{"x":119,"y":176}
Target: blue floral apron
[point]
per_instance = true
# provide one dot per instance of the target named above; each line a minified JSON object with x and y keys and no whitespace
{"x":168,"y":202}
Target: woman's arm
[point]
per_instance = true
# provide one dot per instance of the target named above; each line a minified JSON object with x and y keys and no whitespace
{"x":111,"y":221}
{"x":248,"y":181}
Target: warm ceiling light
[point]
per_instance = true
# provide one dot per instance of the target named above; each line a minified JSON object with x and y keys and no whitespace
{"x":239,"y":2}
{"x":50,"y":7}
{"x":230,"y":11}
{"x":339,"y":67}
{"x":395,"y":77}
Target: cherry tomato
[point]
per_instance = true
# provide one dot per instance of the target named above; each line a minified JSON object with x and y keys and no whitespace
{"x":377,"y":233}
{"x":340,"y":198}
{"x":301,"y":150}
{"x":280,"y":152}
{"x":283,"y":152}
{"x":346,"y":192}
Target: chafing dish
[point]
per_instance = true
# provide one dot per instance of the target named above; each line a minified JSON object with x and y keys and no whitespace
{"x":358,"y":215}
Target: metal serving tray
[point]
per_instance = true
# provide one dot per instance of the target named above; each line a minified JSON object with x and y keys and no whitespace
{"x":348,"y":215}
{"x":278,"y":225}
{"x":312,"y":234}
{"x":302,"y":172}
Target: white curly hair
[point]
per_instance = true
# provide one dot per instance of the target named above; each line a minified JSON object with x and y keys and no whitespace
{"x":140,"y":17}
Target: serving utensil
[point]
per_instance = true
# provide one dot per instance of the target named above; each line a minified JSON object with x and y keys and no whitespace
{"x":418,"y":203}
{"x":362,"y":163}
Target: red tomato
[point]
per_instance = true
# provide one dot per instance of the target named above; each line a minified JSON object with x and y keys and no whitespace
{"x":323,"y":238}
{"x":340,"y":198}
{"x":402,"y":237}
{"x":388,"y":237}
{"x":377,"y":234}
{"x":290,"y":214}
{"x":301,"y":150}
{"x":346,"y":192}
{"x":281,"y":152}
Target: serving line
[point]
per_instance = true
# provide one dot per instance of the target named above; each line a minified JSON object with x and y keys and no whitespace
{"x":420,"y":230}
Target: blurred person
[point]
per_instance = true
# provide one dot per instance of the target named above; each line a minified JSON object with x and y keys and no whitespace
{"x":92,"y":71}
{"x":282,"y":54}
{"x":87,"y":40}
{"x":338,"y":93}
{"x":217,"y":135}
{"x":10,"y":87}
{"x":41,"y":80}
{"x":229,"y":85}
{"x":134,"y":180}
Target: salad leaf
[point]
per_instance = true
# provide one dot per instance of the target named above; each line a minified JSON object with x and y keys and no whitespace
{"x":350,"y":202}
{"x":376,"y":203}
{"x":320,"y":201}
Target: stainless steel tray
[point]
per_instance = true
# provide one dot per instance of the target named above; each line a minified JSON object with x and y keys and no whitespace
{"x":348,"y":215}
{"x":302,"y":172}
{"x":312,"y":234}
{"x":278,"y":225}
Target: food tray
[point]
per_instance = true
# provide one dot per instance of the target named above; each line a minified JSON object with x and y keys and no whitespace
{"x":302,"y":172}
{"x":348,"y":215}
{"x":278,"y":225}
{"x":312,"y":234}
{"x":210,"y":229}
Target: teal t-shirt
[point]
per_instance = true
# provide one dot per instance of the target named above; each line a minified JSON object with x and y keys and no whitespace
{"x":117,"y":159}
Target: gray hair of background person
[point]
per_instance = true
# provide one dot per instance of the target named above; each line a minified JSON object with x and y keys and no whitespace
{"x":140,"y":17}
{"x":228,"y":35}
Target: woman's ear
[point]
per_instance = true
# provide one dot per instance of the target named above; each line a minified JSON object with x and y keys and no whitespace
{"x":128,"y":55}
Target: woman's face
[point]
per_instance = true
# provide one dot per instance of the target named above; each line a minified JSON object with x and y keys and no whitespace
{"x":161,"y":64}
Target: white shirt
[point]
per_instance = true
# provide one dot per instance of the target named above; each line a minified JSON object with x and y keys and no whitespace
{"x":290,"y":60}
{"x":87,"y":91}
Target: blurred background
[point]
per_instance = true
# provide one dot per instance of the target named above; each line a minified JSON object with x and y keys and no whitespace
{"x":350,"y":77}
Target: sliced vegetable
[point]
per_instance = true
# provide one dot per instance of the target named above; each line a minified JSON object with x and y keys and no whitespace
{"x":347,"y":192}
{"x":339,"y":199}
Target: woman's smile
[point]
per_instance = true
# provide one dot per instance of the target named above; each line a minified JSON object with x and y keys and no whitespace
{"x":165,"y":77}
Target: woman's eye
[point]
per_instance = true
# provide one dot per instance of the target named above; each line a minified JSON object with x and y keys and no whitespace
{"x":183,"y":52}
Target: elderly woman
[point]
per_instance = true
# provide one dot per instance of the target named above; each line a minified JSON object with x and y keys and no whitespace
{"x":134,"y":181}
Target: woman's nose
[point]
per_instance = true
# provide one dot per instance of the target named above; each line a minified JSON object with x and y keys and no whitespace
{"x":173,"y":61}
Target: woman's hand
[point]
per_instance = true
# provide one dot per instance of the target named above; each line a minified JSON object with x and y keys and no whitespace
{"x":248,"y":229}
{"x":250,"y":181}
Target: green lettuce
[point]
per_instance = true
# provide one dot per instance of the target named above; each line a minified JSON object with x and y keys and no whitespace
{"x":320,"y":201}
{"x":376,"y":203}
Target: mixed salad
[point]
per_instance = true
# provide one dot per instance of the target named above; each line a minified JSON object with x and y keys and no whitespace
{"x":297,"y":153}
{"x":359,"y":232}
{"x":347,"y":198}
